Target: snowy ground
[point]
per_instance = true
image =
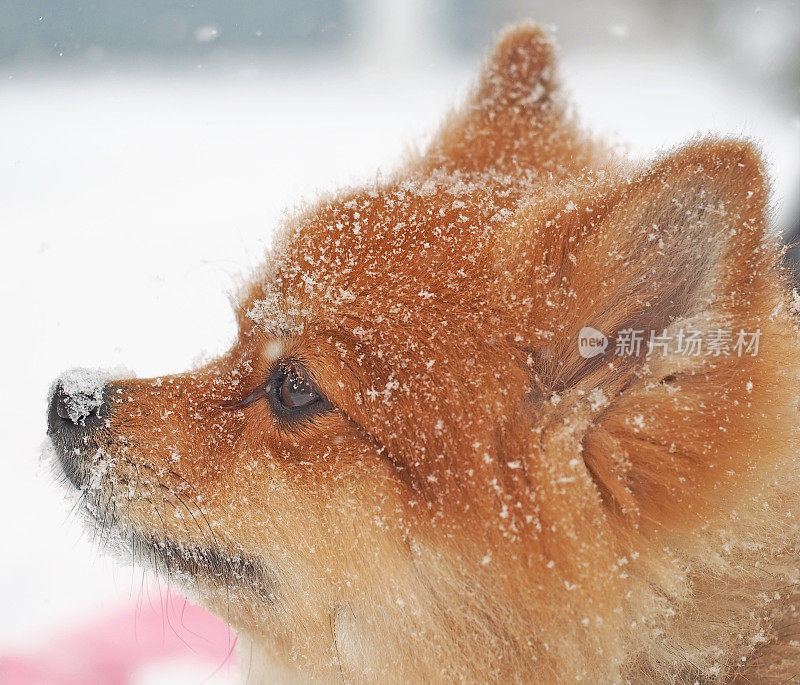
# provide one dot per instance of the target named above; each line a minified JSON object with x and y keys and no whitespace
{"x":132,"y":202}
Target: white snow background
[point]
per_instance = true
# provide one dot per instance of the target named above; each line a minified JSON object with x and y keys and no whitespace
{"x":132,"y":200}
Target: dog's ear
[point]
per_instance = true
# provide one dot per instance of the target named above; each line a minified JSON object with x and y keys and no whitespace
{"x":681,"y":250}
{"x":684,"y":238}
{"x":515,"y":119}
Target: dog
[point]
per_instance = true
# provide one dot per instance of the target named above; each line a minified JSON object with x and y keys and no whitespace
{"x":525,"y":411}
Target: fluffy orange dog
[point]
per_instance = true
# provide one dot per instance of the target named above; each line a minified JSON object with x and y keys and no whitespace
{"x":421,"y":461}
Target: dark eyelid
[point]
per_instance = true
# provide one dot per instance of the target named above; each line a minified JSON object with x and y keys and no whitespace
{"x":257,"y":394}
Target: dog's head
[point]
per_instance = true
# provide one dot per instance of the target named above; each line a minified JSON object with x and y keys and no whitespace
{"x":407,"y":456}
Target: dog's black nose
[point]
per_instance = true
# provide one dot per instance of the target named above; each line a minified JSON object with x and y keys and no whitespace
{"x":75,"y":412}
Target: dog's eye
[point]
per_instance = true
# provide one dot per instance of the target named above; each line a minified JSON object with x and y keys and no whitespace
{"x":290,"y":392}
{"x":295,"y":391}
{"x":293,"y":394}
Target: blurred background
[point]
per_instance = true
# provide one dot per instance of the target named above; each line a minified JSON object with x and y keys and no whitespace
{"x":151,"y":147}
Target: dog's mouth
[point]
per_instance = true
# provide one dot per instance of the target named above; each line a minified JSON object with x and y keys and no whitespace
{"x":187,"y":563}
{"x":214,"y":565}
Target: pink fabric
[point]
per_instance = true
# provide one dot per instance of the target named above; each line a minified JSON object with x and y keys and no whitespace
{"x":107,"y":651}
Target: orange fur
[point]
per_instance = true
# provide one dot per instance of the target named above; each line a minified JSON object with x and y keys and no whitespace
{"x":484,"y":504}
